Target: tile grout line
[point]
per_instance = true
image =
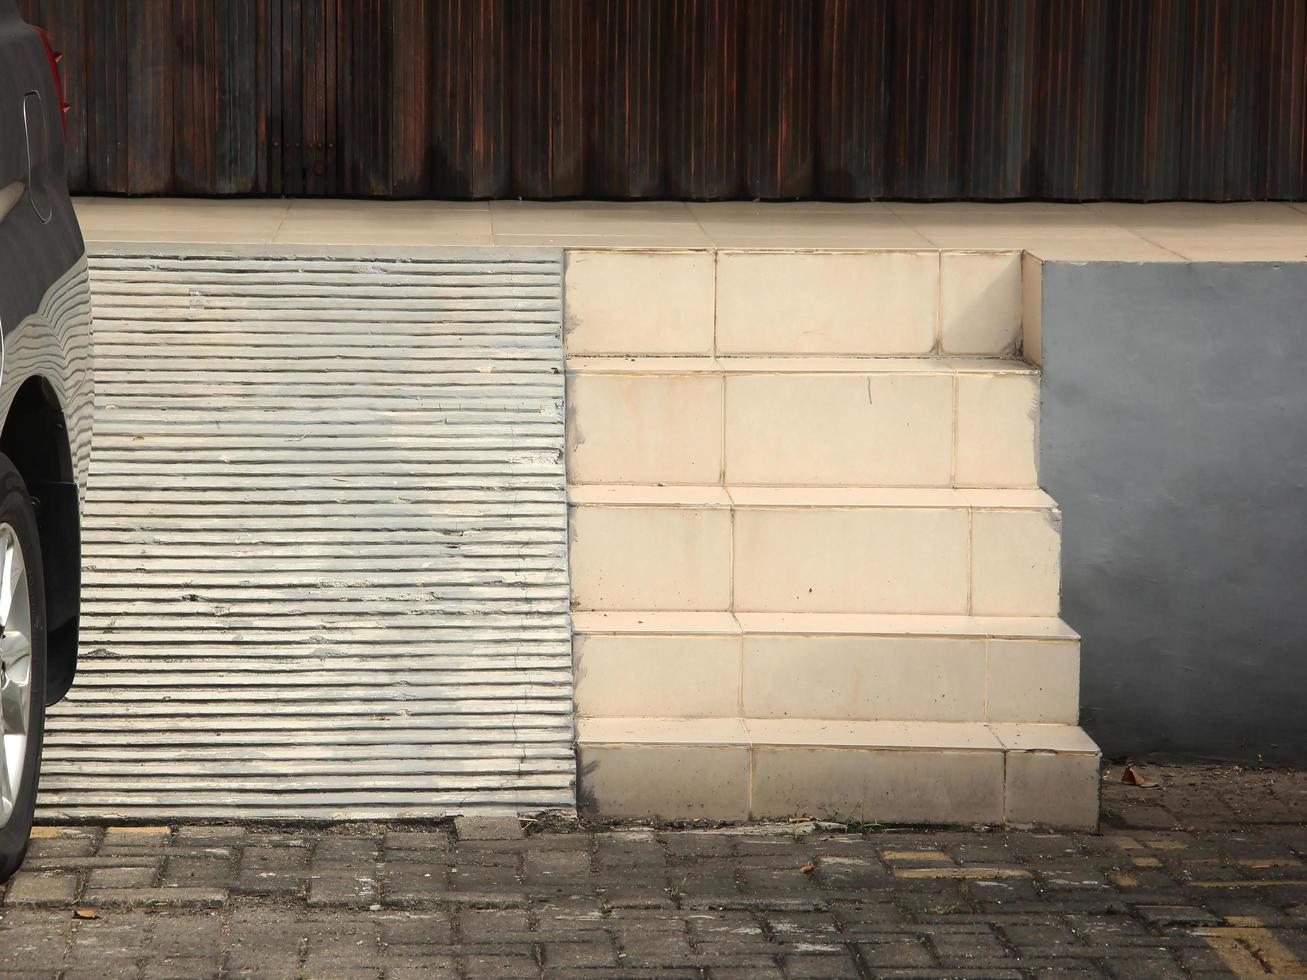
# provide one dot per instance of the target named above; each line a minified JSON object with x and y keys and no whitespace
{"x":1164,"y":248}
{"x":712,"y":243}
{"x":740,"y":687}
{"x":282,"y":223}
{"x":953,"y":436}
{"x":751,"y":766}
{"x":989,"y":642}
{"x":715,"y":351}
{"x":721,"y":469}
{"x":971,"y":560}
{"x":567,"y":483}
{"x":730,"y":597}
{"x":939,"y":303}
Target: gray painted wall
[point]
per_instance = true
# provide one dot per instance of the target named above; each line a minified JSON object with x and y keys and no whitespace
{"x":1174,"y":436}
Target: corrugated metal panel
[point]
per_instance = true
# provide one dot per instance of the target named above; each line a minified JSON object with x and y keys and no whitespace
{"x":925,"y":99}
{"x":325,"y":541}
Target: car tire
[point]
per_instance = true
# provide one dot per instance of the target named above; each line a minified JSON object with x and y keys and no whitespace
{"x":22,"y":726}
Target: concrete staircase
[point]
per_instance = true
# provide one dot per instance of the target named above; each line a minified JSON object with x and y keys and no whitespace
{"x":812,"y":571}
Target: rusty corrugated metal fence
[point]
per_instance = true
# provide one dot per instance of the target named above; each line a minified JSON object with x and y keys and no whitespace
{"x":702,"y":99}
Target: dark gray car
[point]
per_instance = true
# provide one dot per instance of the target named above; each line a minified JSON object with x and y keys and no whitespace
{"x":45,"y":417}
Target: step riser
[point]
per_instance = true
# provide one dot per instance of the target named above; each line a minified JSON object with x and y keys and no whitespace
{"x":882,"y":303}
{"x":855,"y":678}
{"x":845,"y":429}
{"x":958,"y":561}
{"x":739,"y":782}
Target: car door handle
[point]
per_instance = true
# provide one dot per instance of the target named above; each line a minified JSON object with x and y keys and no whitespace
{"x":38,"y":153}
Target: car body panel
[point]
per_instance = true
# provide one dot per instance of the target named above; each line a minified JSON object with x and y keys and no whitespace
{"x":46,"y":385}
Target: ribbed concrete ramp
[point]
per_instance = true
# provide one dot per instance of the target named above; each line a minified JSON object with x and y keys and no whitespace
{"x":325,"y":540}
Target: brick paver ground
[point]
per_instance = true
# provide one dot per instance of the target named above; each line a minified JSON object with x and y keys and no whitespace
{"x":1204,"y":875}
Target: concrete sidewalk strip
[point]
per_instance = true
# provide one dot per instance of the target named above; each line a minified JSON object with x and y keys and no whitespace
{"x":1217,"y":891}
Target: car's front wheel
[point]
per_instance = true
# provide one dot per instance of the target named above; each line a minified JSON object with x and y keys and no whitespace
{"x":22,"y":666}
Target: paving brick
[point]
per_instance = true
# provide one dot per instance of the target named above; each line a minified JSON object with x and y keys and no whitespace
{"x":488,"y":827}
{"x":1176,"y":915}
{"x":181,"y":968}
{"x":556,"y":863}
{"x":51,"y":831}
{"x":833,"y":964}
{"x":630,"y":850}
{"x":897,"y":952}
{"x":57,"y":847}
{"x":136,"y":836}
{"x":108,"y":939}
{"x":41,"y":888}
{"x":367,"y":900}
{"x":31,"y":937}
{"x":1152,"y":969}
{"x":434,"y":966}
{"x":161,"y":898}
{"x":485,"y":880}
{"x":214,"y":834}
{"x":212,"y":871}
{"x":121,"y":878}
{"x":755,"y":971}
{"x":414,"y":885}
{"x":107,"y":970}
{"x":561,"y":956}
{"x":345,"y":852}
{"x":1043,"y":934}
{"x":187,"y":934}
{"x":487,"y":854}
{"x":955,"y":973}
{"x":344,"y":888}
{"x":263,"y":940}
{"x":498,"y":965}
{"x":1063,"y":971}
{"x":967,"y":946}
{"x":270,"y":870}
{"x":416,"y":840}
{"x":95,"y":861}
{"x":850,"y":873}
{"x":693,"y":844}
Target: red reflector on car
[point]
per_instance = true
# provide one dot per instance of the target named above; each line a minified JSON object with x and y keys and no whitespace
{"x":54,"y":58}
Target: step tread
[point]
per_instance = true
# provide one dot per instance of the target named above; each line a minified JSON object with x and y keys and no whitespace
{"x":770,"y":497}
{"x":787,"y":364}
{"x":1043,"y":738}
{"x":656,"y":622}
{"x":847,"y":624}
{"x":822,"y":733}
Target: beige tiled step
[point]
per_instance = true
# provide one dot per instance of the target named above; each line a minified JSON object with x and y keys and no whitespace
{"x":749,"y":364}
{"x":803,"y":421}
{"x":848,"y":667}
{"x":788,"y":301}
{"x":895,"y":772}
{"x":837,"y":550}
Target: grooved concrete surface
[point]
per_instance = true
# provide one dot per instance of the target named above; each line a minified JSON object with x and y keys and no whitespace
{"x":325,"y":538}
{"x":1202,"y":876}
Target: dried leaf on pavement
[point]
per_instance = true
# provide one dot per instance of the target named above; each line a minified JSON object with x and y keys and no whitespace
{"x":1133,"y":777}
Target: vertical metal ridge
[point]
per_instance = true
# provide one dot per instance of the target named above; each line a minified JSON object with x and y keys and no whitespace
{"x":325,"y":540}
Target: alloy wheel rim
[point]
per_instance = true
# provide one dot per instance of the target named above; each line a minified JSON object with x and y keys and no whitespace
{"x":15,"y":669}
